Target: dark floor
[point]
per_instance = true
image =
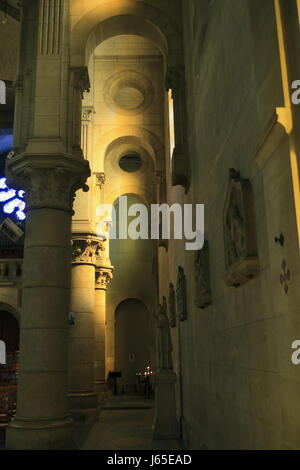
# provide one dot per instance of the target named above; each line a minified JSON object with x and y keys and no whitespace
{"x":125,"y":423}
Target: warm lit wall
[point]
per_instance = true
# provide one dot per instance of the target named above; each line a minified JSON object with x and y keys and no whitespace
{"x":127,"y":91}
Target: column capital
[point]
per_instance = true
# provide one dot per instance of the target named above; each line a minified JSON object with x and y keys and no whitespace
{"x":50,"y":182}
{"x":81,"y":79}
{"x":87,"y":114}
{"x":87,"y":249}
{"x":103,"y":276}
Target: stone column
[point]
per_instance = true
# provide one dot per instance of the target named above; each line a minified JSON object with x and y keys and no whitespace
{"x":175,"y":81}
{"x":83,"y":401}
{"x":42,"y":419}
{"x":103,"y":276}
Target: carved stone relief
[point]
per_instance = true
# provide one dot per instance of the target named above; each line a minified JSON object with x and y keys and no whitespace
{"x":241,"y":257}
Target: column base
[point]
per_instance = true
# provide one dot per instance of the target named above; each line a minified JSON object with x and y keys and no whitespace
{"x":40,"y":435}
{"x":84,"y":407}
{"x":165,"y":425}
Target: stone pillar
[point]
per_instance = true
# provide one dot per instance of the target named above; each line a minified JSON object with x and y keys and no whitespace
{"x":175,"y":81}
{"x":42,"y":420}
{"x":83,"y":401}
{"x":103,"y":276}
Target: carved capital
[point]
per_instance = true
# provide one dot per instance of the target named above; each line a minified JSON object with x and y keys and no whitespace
{"x":87,"y":250}
{"x":103,"y":276}
{"x":87,"y":114}
{"x":101,"y":179}
{"x":49,"y":181}
{"x":81,"y":79}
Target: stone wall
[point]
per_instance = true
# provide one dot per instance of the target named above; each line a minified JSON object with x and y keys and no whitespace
{"x":239,"y":387}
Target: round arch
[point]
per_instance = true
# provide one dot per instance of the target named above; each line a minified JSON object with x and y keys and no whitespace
{"x":131,"y":194}
{"x":7,"y":305}
{"x":101,"y":22}
{"x":134,"y":134}
{"x":132,"y":345}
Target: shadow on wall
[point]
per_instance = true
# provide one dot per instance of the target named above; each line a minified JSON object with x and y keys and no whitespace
{"x":131,"y":342}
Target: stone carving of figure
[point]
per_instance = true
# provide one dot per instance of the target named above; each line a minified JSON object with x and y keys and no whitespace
{"x":163,"y":338}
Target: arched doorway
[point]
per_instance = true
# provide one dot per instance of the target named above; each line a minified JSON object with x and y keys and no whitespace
{"x":131,"y":342}
{"x":10,"y":334}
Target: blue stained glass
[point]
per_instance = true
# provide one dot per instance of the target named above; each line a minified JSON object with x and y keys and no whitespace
{"x":12,"y":201}
{"x":6,"y":142}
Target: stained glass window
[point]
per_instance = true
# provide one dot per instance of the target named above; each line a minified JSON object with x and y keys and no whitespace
{"x":11,"y":201}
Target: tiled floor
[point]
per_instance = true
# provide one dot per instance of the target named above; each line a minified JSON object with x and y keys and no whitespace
{"x":125,"y":423}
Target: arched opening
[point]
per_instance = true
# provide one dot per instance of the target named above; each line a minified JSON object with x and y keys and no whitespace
{"x":132,"y":342}
{"x":9,"y":333}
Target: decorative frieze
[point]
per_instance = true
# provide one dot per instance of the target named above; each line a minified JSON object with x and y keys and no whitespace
{"x":87,"y":250}
{"x":181,"y":295}
{"x":241,"y":256}
{"x":202,"y":278}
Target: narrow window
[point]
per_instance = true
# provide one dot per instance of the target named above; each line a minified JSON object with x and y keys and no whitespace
{"x":171,"y":123}
{"x":2,"y":92}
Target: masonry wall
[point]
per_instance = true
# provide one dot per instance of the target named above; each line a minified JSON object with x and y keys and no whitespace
{"x":239,"y":387}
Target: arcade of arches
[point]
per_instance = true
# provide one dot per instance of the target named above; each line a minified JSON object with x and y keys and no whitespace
{"x":158,"y":101}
